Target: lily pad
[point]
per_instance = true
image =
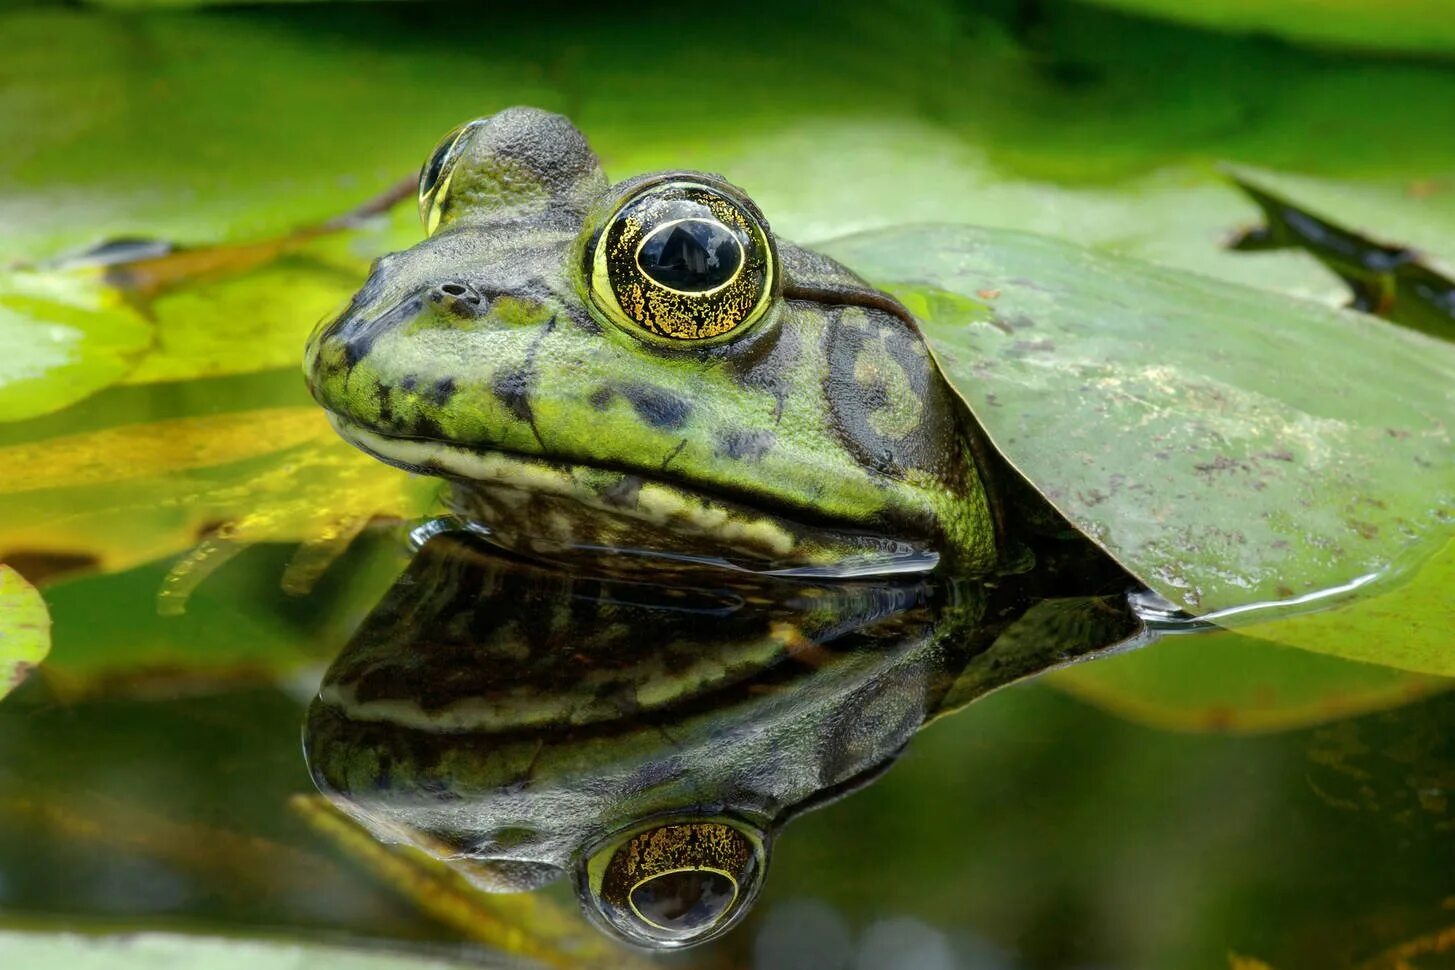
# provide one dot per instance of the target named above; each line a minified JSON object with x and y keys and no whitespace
{"x":25,"y":629}
{"x":1232,"y":448}
{"x":62,"y":338}
{"x":208,"y":465}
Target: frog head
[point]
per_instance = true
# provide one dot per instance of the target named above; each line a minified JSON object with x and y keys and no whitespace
{"x":645,"y":367}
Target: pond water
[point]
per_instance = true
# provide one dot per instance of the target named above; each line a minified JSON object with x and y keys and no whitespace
{"x":508,"y":718}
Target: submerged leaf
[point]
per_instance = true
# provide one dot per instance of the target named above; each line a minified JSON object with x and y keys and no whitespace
{"x":1396,"y":281}
{"x":1227,"y":682}
{"x":25,"y":629}
{"x":526,"y":924}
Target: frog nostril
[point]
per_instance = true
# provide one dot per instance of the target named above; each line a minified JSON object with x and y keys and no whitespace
{"x":458,"y":295}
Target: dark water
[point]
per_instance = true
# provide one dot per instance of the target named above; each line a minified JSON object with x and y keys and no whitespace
{"x":1025,"y":830}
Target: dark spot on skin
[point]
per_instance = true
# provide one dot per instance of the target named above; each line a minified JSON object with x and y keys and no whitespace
{"x":356,"y":334}
{"x":992,"y":400}
{"x":1283,"y":592}
{"x":408,"y":382}
{"x":657,"y":407}
{"x":601,"y":398}
{"x":427,"y":427}
{"x":851,"y":403}
{"x":1278,"y":455}
{"x":443,"y":390}
{"x":744,"y":445}
{"x":1024,"y":348}
{"x":512,"y":389}
{"x":763,"y":361}
{"x":673,"y":453}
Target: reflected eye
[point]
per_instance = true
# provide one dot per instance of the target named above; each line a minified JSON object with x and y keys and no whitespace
{"x":676,"y":884}
{"x":434,"y":178}
{"x":684,"y":261}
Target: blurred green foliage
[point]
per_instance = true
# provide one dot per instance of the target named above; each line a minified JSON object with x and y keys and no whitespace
{"x":142,"y":782}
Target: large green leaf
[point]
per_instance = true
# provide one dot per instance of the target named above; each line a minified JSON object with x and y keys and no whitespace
{"x":25,"y":629}
{"x":1230,"y":447}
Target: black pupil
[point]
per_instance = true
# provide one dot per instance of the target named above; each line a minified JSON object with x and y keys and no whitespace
{"x":684,"y":901}
{"x":693,"y":255}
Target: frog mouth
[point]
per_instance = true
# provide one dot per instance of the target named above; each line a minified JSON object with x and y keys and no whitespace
{"x":561,"y":509}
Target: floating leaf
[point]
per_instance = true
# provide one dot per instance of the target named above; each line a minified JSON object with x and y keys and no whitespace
{"x":62,"y":338}
{"x":25,"y":629}
{"x":124,"y":494}
{"x":1232,"y":448}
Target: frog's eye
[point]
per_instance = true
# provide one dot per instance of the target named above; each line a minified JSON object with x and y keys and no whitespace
{"x":434,"y":178}
{"x":683,"y":261}
{"x":675,"y":884}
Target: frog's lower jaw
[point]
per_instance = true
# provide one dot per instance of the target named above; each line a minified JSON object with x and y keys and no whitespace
{"x":546,"y":508}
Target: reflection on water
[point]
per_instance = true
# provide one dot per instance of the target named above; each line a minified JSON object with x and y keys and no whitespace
{"x":1026,"y":832}
{"x":652,"y":740}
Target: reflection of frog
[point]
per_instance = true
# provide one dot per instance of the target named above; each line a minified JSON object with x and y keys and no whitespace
{"x":523,"y":723}
{"x":644,"y":366}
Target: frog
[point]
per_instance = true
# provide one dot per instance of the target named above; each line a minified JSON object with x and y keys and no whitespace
{"x":644,"y":367}
{"x":650,"y":737}
{"x":644,"y":374}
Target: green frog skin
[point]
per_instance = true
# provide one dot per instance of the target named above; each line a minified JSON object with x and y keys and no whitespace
{"x":644,"y":367}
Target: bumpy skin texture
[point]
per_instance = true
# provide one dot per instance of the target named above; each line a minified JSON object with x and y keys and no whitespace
{"x":819,"y":436}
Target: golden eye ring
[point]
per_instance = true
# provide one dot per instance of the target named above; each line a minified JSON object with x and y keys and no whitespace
{"x":674,"y":883}
{"x":684,"y":261}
